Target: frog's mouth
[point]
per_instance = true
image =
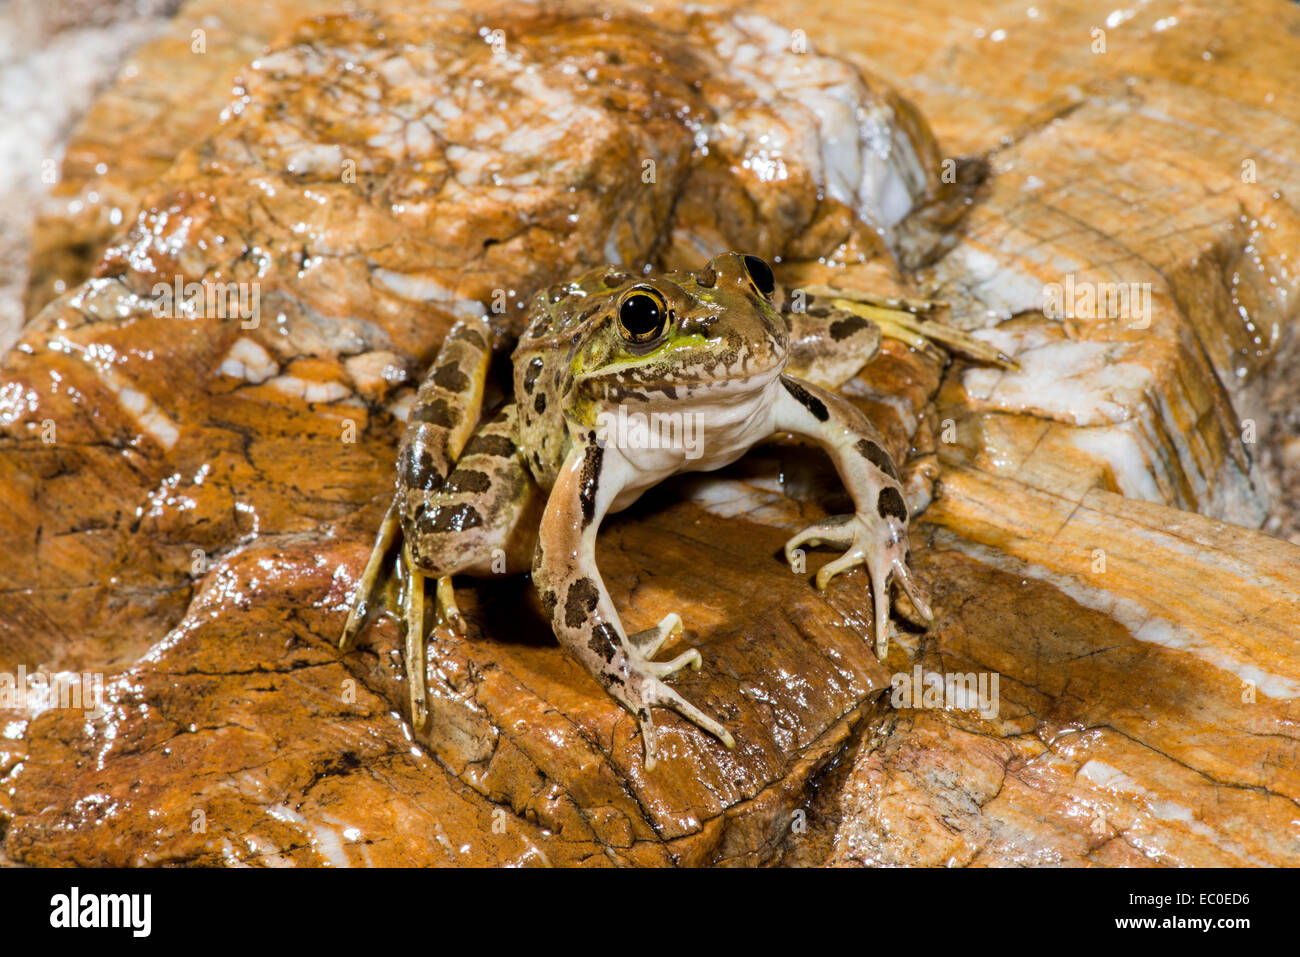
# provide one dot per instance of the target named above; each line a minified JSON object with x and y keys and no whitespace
{"x":682,"y":389}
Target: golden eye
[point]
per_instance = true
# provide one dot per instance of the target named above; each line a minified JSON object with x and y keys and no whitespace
{"x":642,"y":315}
{"x":760,"y":275}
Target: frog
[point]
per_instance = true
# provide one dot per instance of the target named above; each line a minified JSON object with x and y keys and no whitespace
{"x":524,"y":486}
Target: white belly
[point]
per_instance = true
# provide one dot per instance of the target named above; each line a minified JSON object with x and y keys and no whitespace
{"x":695,"y":435}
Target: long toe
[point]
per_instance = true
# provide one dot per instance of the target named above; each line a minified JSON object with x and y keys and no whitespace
{"x":915,"y":594}
{"x":670,"y":698}
{"x":880,"y":602}
{"x":648,"y":740}
{"x":665,"y":669}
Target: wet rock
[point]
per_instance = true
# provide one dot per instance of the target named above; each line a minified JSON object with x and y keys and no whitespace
{"x":1145,"y":656}
{"x":193,"y":483}
{"x":245,"y":737}
{"x":148,"y":430}
{"x":1112,"y":737}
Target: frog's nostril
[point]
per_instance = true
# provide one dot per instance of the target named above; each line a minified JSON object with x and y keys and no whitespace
{"x":700,"y":325}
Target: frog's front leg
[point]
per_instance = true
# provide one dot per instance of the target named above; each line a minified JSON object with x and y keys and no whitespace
{"x":876,"y":534}
{"x":581,"y":611}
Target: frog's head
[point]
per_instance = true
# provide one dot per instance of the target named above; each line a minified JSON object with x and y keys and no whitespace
{"x":678,"y":337}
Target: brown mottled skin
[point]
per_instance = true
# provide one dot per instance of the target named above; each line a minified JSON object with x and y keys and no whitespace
{"x":531,"y":481}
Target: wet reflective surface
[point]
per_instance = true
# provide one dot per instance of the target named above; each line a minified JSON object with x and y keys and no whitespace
{"x":196,"y":525}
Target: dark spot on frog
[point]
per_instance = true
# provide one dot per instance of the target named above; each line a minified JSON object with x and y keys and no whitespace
{"x":891,"y":504}
{"x":604,"y":642}
{"x":878,"y":457}
{"x":540,"y":403}
{"x":805,"y":398}
{"x":590,"y":480}
{"x":466,"y":334}
{"x":451,"y":378}
{"x":467,"y":480}
{"x":438,"y":412}
{"x":415,"y":465}
{"x":447,"y":518}
{"x":622,"y":392}
{"x":707,"y":277}
{"x":580,"y":602}
{"x":843,"y":328}
{"x":531,"y":373}
{"x":488,"y":444}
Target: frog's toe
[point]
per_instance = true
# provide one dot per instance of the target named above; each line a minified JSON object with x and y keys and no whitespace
{"x":649,"y":738}
{"x":879,"y":565}
{"x":655,"y":692}
{"x":880,"y":546}
{"x":652,"y":639}
{"x":666,"y":669}
{"x":883,"y":563}
{"x":834,"y":531}
{"x":915,"y":593}
{"x":413,"y":613}
{"x":358,"y":614}
{"x":648,"y":642}
{"x":372,"y":581}
{"x":448,"y":611}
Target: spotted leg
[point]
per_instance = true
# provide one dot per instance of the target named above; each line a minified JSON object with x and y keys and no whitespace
{"x":828,"y":344}
{"x":581,"y":611}
{"x":444,"y":416}
{"x":875,"y":535}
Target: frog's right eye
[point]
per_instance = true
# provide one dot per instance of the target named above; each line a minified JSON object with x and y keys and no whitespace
{"x":642,"y":315}
{"x":760,"y":274}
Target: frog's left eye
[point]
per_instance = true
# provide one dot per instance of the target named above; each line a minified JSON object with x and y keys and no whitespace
{"x":642,"y":314}
{"x":760,"y":274}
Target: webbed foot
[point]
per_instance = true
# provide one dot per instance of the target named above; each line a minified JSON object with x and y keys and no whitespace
{"x":879,"y":545}
{"x":647,"y":690}
{"x":647,"y":676}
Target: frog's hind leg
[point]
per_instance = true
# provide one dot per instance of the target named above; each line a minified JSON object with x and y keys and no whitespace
{"x":483,"y":519}
{"x":443,"y":417}
{"x":828,"y":344}
{"x":901,"y":318}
